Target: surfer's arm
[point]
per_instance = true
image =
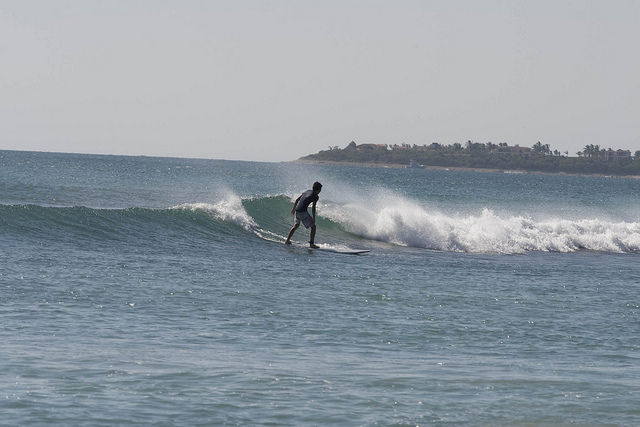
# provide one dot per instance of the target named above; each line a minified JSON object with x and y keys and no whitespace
{"x":293,"y":209}
{"x":313,"y":211}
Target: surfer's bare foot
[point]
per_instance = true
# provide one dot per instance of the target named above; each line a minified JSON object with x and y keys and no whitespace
{"x":313,"y":246}
{"x":287,"y":242}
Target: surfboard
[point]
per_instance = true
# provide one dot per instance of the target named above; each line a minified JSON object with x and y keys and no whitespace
{"x":276,"y":238}
{"x":326,"y":248}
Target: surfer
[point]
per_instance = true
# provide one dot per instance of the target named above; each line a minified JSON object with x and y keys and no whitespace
{"x":309,"y":197}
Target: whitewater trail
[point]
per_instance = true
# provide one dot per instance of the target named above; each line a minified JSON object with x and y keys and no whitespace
{"x":406,"y":224}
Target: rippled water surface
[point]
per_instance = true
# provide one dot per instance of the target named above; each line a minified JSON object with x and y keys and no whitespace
{"x":157,"y":291}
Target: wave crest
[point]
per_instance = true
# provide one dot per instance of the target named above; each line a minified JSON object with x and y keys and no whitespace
{"x":405,"y":224}
{"x":230,"y":210}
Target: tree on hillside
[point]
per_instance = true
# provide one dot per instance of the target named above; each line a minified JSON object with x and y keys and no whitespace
{"x":591,"y":151}
{"x":538,"y":147}
{"x":476,"y":147}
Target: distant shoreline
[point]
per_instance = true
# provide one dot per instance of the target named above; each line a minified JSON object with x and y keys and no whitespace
{"x":459,"y":168}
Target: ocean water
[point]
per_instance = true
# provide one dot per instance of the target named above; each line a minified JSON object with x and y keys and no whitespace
{"x":157,"y":291}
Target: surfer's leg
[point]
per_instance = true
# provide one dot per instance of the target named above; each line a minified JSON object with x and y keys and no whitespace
{"x":293,"y":230}
{"x":312,"y":238}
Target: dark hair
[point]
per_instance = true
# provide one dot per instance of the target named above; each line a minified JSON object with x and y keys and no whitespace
{"x":317,"y":186}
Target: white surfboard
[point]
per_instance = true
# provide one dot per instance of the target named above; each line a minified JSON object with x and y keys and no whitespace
{"x":338,"y":250}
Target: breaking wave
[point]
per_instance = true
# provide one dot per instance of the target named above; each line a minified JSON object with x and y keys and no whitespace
{"x":395,"y":222}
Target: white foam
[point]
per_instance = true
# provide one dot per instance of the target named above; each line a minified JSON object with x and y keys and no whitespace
{"x":229,"y":209}
{"x":402,"y":222}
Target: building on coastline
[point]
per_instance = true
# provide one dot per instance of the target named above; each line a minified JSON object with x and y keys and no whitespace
{"x":616,"y":154}
{"x":353,"y":146}
{"x":514,"y":150}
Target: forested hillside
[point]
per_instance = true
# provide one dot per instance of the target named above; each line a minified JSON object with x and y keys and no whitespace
{"x":538,"y":158}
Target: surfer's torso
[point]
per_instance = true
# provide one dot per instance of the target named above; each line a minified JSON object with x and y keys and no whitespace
{"x":306,"y":199}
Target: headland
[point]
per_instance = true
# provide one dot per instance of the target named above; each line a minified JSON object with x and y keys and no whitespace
{"x":484,"y":158}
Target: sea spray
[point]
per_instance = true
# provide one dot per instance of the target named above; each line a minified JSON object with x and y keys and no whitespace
{"x":404,"y":223}
{"x":229,"y":209}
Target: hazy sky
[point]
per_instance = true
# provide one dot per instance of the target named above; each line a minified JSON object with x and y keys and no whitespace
{"x":275,"y":80}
